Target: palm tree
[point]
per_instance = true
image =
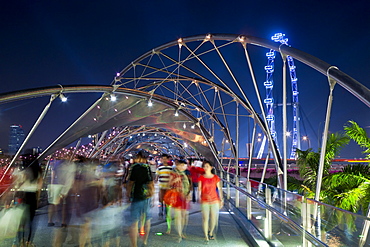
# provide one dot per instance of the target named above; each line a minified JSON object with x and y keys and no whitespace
{"x":349,"y":189}
{"x":359,"y":135}
{"x":308,"y":161}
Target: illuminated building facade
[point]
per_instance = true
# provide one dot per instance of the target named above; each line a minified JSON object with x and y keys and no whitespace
{"x":16,"y":137}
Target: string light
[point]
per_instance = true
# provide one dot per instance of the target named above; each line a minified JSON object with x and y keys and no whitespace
{"x":62,"y":97}
{"x":113,"y":97}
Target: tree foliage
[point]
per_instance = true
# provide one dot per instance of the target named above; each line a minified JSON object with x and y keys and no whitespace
{"x":348,"y":189}
{"x":359,"y":135}
{"x":308,"y":161}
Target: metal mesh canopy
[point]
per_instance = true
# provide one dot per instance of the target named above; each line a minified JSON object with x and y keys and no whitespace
{"x":132,"y":110}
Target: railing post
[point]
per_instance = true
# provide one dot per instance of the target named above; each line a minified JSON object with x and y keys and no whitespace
{"x":307,"y":224}
{"x":249,"y":201}
{"x":365,"y":230}
{"x":228,"y":186}
{"x":268,"y":220}
{"x":237,"y":193}
{"x":306,"y":221}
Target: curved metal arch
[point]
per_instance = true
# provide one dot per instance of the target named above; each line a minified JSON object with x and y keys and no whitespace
{"x":133,"y":147}
{"x":202,"y":109}
{"x":172,"y":68}
{"x":139,"y":130}
{"x":39,"y":92}
{"x":46,"y":91}
{"x":180,"y":77}
{"x":225,"y":130}
{"x":347,"y":82}
{"x":143,"y":143}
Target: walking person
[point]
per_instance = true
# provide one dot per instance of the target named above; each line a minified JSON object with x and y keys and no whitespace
{"x":195,"y":171}
{"x":180,"y":181}
{"x":163,"y":177}
{"x":29,"y":192}
{"x":211,"y":199}
{"x":63,"y":173}
{"x":140,"y":189}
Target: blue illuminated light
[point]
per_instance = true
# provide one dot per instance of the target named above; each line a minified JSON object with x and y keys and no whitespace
{"x":269,"y":101}
{"x":267,"y":83}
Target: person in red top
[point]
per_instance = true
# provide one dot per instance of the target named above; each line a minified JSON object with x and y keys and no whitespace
{"x":211,"y":199}
{"x":181,"y":182}
{"x":195,"y":171}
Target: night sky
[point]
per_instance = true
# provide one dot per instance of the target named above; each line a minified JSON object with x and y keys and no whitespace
{"x":46,"y":43}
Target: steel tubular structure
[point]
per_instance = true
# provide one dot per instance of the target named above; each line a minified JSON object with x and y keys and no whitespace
{"x":205,"y":82}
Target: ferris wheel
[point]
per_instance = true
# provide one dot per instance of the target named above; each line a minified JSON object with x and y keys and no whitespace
{"x":269,"y":100}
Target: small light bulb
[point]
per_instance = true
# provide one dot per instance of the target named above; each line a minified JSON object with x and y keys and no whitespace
{"x":63,"y":98}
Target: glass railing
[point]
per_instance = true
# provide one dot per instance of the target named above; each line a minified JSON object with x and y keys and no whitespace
{"x":285,"y":218}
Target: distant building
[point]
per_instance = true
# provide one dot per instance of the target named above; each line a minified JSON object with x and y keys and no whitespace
{"x":33,"y":151}
{"x":16,"y":138}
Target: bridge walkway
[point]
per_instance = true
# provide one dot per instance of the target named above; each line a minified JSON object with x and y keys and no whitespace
{"x":112,"y":219}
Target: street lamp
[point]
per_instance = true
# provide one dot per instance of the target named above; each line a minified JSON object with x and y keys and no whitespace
{"x":305,"y":138}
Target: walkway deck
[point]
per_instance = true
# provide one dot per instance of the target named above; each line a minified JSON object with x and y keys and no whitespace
{"x":228,"y":234}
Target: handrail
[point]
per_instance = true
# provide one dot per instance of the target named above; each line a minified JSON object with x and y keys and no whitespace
{"x":283,"y":217}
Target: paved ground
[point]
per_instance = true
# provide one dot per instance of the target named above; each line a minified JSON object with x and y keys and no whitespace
{"x":110,"y":222}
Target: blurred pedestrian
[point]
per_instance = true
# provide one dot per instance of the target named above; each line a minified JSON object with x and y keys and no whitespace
{"x":195,"y":171}
{"x":62,"y":178}
{"x":180,"y":181}
{"x":153,"y":166}
{"x":140,"y":189}
{"x":211,"y":199}
{"x":30,"y":184}
{"x":88,"y":187}
{"x":111,"y":184}
{"x":163,"y":177}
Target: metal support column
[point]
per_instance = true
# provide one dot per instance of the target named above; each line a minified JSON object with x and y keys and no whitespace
{"x":284,"y":124}
{"x":34,"y":127}
{"x":237,"y":174}
{"x":251,"y":150}
{"x":332,"y":83}
{"x":265,"y":166}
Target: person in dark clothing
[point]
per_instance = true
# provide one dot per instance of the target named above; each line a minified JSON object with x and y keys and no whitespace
{"x":140,"y":189}
{"x":29,"y":192}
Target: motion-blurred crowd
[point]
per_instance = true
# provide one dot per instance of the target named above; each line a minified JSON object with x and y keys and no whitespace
{"x":85,"y":199}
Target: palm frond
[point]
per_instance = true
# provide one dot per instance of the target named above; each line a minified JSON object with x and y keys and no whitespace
{"x":359,"y":135}
{"x":357,"y":169}
{"x":344,"y":181}
{"x":336,"y":141}
{"x":350,"y":200}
